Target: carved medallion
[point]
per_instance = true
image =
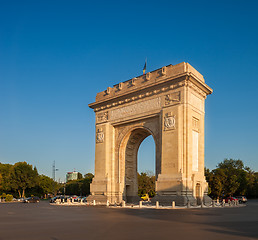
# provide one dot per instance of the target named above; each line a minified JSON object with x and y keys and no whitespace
{"x":169,"y":121}
{"x":99,"y":136}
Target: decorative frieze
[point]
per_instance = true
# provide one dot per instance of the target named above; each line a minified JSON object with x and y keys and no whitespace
{"x":142,"y":95}
{"x":169,"y":121}
{"x":99,"y":136}
{"x":169,"y":99}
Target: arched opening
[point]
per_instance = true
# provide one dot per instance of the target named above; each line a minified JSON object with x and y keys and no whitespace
{"x":131,"y":163}
{"x":146,"y":168}
{"x":146,"y":155}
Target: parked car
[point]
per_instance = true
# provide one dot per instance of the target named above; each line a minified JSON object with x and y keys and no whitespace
{"x":241,"y":199}
{"x":31,"y":200}
{"x":78,"y":199}
{"x":53,"y":199}
{"x":231,"y":199}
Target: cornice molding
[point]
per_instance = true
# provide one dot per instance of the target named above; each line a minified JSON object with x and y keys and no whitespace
{"x":187,"y":79}
{"x":141,"y":96}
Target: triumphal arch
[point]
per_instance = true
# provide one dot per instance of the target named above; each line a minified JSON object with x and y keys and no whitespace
{"x":168,"y":104}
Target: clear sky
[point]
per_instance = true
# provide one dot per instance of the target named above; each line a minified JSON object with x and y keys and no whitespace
{"x":56,"y":55}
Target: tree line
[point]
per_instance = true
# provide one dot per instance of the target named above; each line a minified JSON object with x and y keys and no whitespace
{"x":79,"y":187}
{"x":22,"y":180}
{"x":232,"y":178}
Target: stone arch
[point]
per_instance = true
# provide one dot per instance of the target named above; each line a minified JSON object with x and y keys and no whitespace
{"x":128,"y":157}
{"x":167,"y":103}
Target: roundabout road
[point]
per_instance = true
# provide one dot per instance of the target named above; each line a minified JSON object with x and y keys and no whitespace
{"x":48,"y":222}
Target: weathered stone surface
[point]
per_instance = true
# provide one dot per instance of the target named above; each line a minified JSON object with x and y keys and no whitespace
{"x":168,"y":104}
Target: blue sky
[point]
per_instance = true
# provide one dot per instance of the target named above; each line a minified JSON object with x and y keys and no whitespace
{"x":56,"y":55}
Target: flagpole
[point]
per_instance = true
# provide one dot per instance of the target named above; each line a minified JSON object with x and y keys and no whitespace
{"x":145,"y":66}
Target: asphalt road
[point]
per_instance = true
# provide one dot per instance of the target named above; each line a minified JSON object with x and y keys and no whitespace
{"x":47,"y":222}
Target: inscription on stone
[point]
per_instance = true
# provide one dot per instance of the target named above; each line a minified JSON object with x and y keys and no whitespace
{"x":136,"y":108}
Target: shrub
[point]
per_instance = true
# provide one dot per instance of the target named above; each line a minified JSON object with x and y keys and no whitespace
{"x":3,"y":195}
{"x":9,"y":198}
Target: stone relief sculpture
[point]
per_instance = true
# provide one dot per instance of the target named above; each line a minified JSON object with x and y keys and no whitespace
{"x":172,"y":98}
{"x":169,"y":121}
{"x":102,"y":117}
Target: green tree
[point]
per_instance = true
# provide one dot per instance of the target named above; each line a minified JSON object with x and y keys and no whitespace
{"x":231,"y":177}
{"x":86,"y":181}
{"x":44,"y":186}
{"x":146,"y":184}
{"x":6,"y":171}
{"x":79,"y":176}
{"x":24,"y":176}
{"x":80,"y":186}
{"x":233,"y":170}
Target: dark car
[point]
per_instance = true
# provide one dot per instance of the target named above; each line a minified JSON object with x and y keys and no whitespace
{"x":241,"y":199}
{"x":31,"y":200}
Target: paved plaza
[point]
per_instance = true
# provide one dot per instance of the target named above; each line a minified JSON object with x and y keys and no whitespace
{"x":45,"y":221}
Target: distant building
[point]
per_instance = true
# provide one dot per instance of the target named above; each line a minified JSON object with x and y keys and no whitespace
{"x":72,"y":176}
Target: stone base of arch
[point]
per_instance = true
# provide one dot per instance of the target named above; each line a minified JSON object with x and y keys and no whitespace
{"x":167,"y":190}
{"x":178,"y":199}
{"x":133,"y":199}
{"x":99,"y":199}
